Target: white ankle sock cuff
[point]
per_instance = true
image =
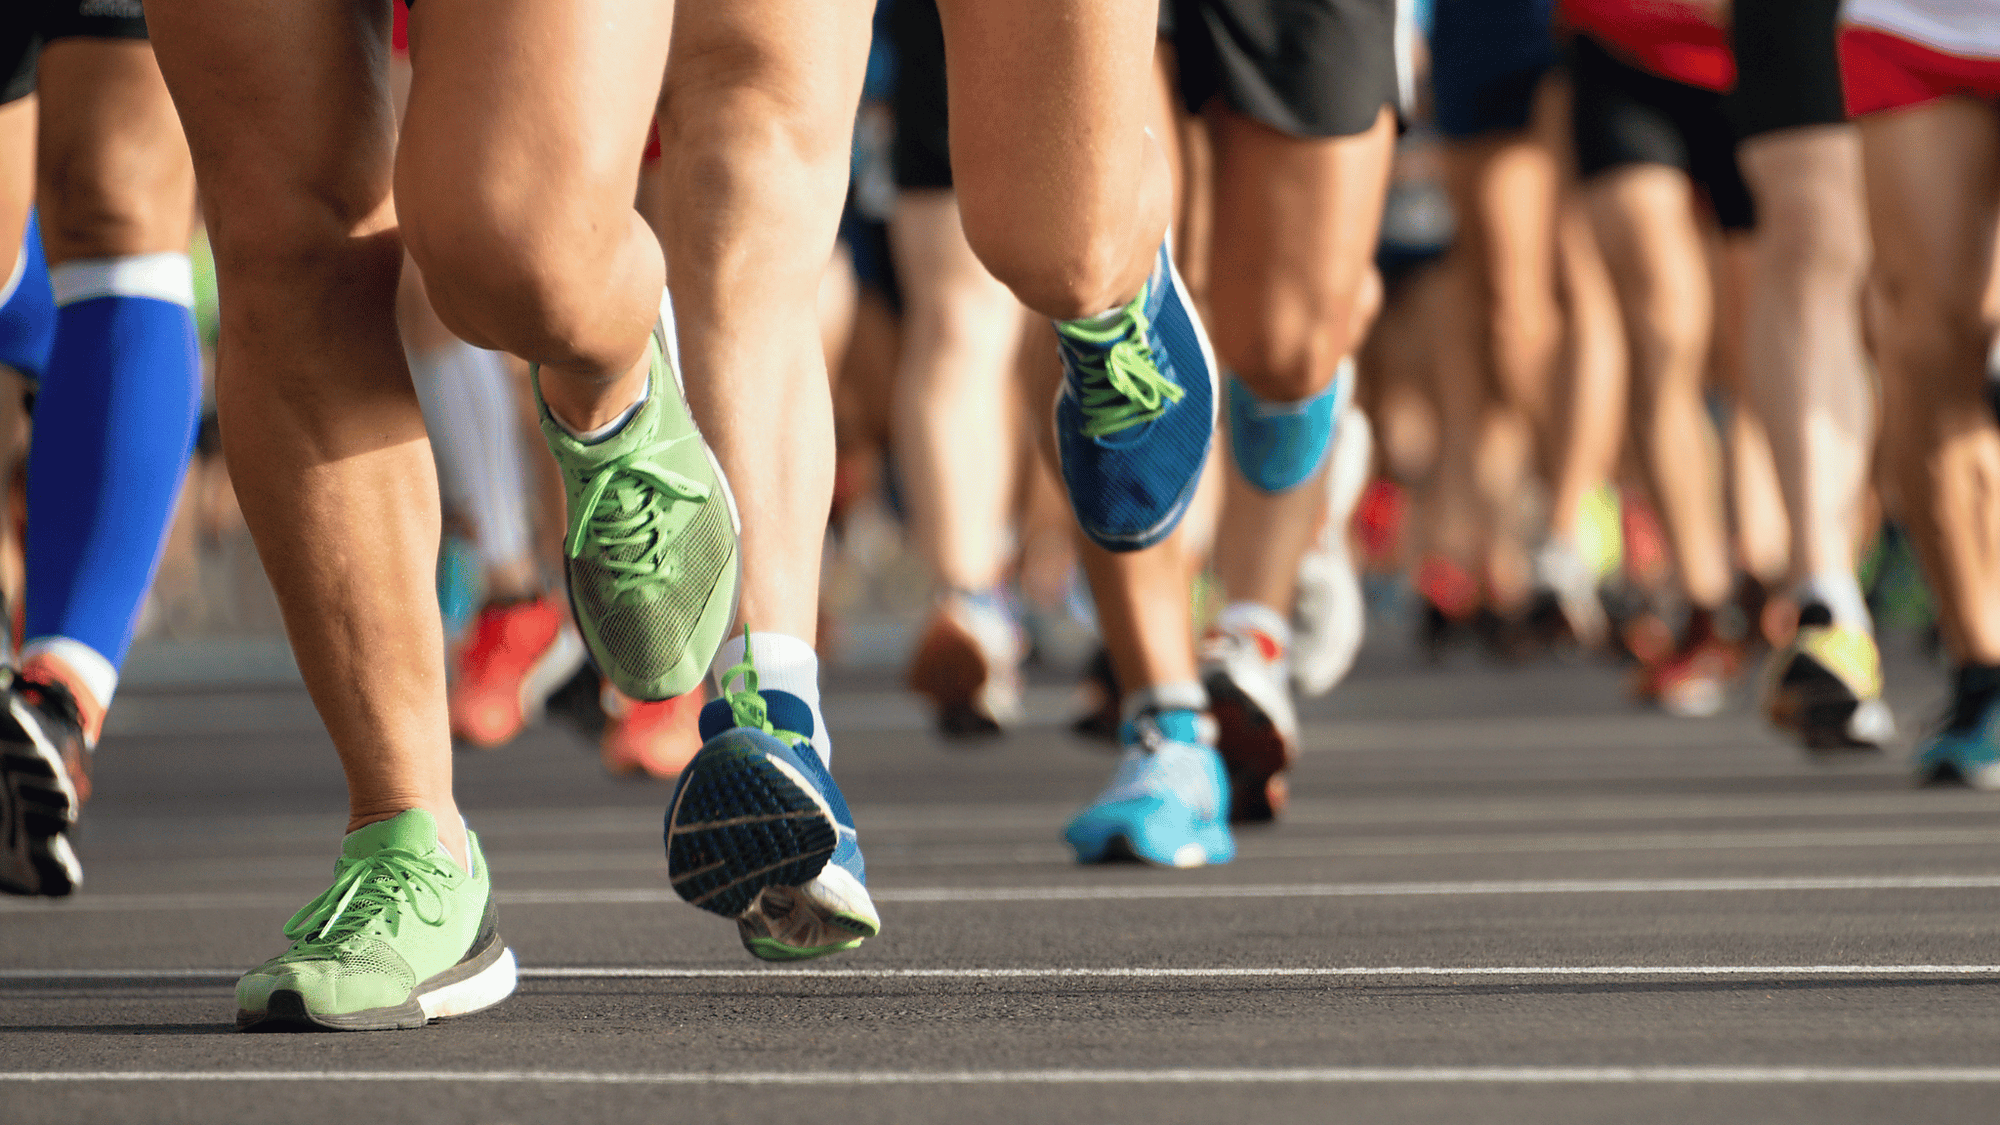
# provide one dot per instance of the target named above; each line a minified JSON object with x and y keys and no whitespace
{"x":784,"y":663}
{"x":1184,"y":696}
{"x":1237,"y":616}
{"x":1840,"y":593}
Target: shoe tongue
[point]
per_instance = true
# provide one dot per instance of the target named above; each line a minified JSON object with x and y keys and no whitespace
{"x":412,"y":831}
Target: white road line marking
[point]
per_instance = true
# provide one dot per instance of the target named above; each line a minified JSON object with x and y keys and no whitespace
{"x":659,"y":972}
{"x":618,"y":896}
{"x":1668,"y":1075}
{"x":1328,"y":890}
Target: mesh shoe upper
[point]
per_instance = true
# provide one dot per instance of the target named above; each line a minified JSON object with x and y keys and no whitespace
{"x":1135,"y":415}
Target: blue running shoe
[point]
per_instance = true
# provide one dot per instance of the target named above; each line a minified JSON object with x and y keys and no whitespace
{"x":1168,"y":804}
{"x":1278,"y":446}
{"x":758,"y":831}
{"x":1967,"y":749}
{"x":1135,"y":415}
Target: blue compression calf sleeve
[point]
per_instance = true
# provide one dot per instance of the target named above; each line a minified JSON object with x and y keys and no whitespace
{"x":113,"y":429}
{"x":27,"y":308}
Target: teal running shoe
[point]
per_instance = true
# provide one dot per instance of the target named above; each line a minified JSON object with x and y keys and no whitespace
{"x":1168,"y":804}
{"x":758,"y":831}
{"x":1136,"y":414}
{"x":1967,"y":748}
{"x":653,"y":565}
{"x":401,"y":938}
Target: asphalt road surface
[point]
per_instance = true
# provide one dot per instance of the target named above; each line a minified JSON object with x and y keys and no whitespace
{"x":1502,"y":895}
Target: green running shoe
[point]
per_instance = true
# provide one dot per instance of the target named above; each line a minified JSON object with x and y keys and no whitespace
{"x":401,"y":938}
{"x":654,"y":570}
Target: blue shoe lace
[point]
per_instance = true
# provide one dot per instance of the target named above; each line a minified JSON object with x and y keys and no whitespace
{"x":1119,"y":380}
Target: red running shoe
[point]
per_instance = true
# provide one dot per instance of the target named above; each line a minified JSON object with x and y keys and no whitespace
{"x":517,"y":654}
{"x":1693,"y":682}
{"x":650,"y":739}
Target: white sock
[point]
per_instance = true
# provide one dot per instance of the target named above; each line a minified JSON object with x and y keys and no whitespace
{"x":1238,"y":616}
{"x":784,"y":663}
{"x":1841,"y":594}
{"x":1188,"y":696}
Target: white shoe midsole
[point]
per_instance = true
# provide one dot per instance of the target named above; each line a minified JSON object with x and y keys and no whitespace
{"x":481,"y":990}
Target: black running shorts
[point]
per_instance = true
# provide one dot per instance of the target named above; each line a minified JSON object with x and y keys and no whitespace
{"x":1624,"y":115}
{"x":1787,"y":66}
{"x":1310,"y":68}
{"x":27,"y":25}
{"x":922,"y":154}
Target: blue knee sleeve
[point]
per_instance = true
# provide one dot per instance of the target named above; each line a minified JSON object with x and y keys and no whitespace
{"x":113,"y":429}
{"x":27,"y":309}
{"x":1278,"y":446}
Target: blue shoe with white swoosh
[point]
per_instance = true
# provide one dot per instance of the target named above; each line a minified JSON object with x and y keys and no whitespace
{"x":758,"y":831}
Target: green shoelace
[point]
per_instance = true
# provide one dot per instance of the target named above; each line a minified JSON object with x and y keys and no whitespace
{"x":1121,"y":384}
{"x":748,"y":707}
{"x":623,"y":507}
{"x":365,"y":890}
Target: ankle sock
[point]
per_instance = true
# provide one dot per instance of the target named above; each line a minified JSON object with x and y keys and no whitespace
{"x":114,"y":428}
{"x":1841,"y":594}
{"x":1184,"y":696}
{"x":1259,"y":619}
{"x":784,"y":663}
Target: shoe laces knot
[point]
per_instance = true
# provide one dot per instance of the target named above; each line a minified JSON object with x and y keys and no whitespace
{"x":746,"y":704}
{"x":374,"y":888}
{"x":1120,"y":383}
{"x":623,"y":513}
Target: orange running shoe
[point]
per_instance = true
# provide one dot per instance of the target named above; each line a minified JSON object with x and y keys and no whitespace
{"x":650,"y":739}
{"x":518,"y":653}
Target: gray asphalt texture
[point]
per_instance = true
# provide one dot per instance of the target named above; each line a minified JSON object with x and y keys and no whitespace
{"x":1448,"y":819}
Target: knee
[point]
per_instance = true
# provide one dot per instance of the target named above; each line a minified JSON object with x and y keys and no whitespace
{"x":1289,"y":350}
{"x":502,"y":274}
{"x":1814,"y":242}
{"x":113,"y":200}
{"x":736,"y":134}
{"x":1061,"y":276}
{"x":279,"y":242}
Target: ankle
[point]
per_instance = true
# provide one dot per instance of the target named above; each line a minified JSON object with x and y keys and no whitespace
{"x":591,"y":410}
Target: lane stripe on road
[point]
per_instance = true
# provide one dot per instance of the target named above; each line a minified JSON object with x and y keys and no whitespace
{"x":641,"y":972}
{"x":628,"y":896}
{"x":1673,"y":1075}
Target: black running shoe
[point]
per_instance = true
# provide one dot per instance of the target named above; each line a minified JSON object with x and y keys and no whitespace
{"x":44,"y":780}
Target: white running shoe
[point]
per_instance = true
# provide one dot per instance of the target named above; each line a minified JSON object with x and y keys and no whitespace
{"x":1328,"y":614}
{"x":1244,"y":670}
{"x":1560,"y":568}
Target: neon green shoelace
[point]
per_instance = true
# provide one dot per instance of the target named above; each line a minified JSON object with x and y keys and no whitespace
{"x":366,"y":890}
{"x":1121,"y":386}
{"x":624,"y":506}
{"x":748,"y":707}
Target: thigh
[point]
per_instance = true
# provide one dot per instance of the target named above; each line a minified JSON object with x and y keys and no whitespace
{"x":1933,"y":184}
{"x":1295,"y":225}
{"x":112,"y":163}
{"x":522,"y":111}
{"x":1048,"y":90}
